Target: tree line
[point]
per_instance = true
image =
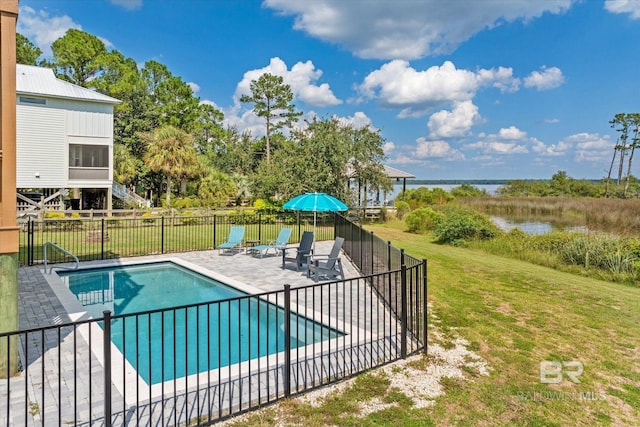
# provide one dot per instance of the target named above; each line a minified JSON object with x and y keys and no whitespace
{"x":168,"y":143}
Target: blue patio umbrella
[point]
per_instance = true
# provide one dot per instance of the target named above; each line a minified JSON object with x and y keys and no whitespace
{"x":315,"y":202}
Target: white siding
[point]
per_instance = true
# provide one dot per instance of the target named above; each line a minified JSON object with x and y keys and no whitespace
{"x":86,"y":119}
{"x":40,"y":147}
{"x":43,"y":137}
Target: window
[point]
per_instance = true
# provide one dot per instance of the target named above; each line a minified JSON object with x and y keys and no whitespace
{"x":29,"y":100}
{"x":88,"y":156}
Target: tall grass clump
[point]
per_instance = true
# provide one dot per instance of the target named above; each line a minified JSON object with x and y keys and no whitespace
{"x":402,"y":209}
{"x":601,"y":256}
{"x":599,"y":251}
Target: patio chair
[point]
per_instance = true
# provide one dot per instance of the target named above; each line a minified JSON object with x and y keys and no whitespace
{"x":328,"y":265}
{"x":280,"y":244}
{"x":302,"y":251}
{"x":234,"y":241}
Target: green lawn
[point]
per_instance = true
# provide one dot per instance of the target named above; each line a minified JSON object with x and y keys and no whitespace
{"x":515,"y":315}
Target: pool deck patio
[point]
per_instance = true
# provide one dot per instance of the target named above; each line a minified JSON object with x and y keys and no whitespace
{"x":39,"y":306}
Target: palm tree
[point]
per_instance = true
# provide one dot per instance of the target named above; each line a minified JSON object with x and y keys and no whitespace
{"x":170,"y":151}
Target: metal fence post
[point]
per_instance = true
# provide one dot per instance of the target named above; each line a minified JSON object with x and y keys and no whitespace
{"x":162,"y":234}
{"x":403,"y":315}
{"x":388,"y":255}
{"x":287,"y":340}
{"x":107,"y":367}
{"x":425,"y":306}
{"x":361,"y":241}
{"x":335,"y":225}
{"x":371,"y":255}
{"x":214,"y":231}
{"x":102,"y":239}
{"x":30,"y":241}
{"x":260,"y":227}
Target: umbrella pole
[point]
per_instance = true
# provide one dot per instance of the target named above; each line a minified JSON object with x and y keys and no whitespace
{"x":314,"y":231}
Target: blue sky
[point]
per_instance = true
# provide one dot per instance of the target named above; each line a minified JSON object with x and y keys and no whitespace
{"x":467,"y":89}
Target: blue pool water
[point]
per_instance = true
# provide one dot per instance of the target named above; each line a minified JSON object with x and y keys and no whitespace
{"x":171,"y":343}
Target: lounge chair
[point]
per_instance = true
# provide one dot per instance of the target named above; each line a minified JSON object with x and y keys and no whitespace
{"x":234,"y":241}
{"x":302,"y":251}
{"x":280,"y":244}
{"x":328,"y":265}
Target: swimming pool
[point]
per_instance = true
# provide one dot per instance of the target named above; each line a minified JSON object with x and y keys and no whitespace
{"x":213,"y":326}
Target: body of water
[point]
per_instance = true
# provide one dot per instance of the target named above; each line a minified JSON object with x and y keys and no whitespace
{"x":533,"y":226}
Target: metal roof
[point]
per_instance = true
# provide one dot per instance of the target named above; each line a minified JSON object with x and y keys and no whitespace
{"x":40,"y":81}
{"x":388,"y":171}
{"x":396,"y":173}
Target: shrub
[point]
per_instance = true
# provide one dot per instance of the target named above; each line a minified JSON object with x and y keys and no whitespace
{"x":422,"y":220}
{"x":384,"y":214}
{"x":462,"y":224}
{"x":147,"y":218}
{"x":402,"y":209}
{"x":261,"y":204}
{"x":54,"y":215}
{"x":468,"y":190}
{"x":185,"y":202}
{"x":188,"y":218}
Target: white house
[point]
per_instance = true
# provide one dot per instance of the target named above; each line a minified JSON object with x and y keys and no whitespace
{"x":64,"y":138}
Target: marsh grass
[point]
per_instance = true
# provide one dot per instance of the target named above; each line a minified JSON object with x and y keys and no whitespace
{"x":597,"y":255}
{"x":619,"y":216}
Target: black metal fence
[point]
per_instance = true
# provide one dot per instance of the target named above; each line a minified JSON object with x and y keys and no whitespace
{"x":197,"y":364}
{"x":373,"y":256}
{"x":108,"y":238}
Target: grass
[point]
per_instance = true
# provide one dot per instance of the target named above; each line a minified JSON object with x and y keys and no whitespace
{"x":514,"y":314}
{"x":131,"y":238}
{"x":598,"y":214}
{"x":518,"y":314}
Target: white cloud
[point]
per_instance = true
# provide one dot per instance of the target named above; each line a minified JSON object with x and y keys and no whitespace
{"x":553,"y":150}
{"x":488,"y":161}
{"x":552,"y":121}
{"x":195,"y":87}
{"x":398,"y":85}
{"x":511,"y":133}
{"x":548,"y":78}
{"x":591,"y":147}
{"x":406,"y":29}
{"x":128,"y":4}
{"x":496,"y":147}
{"x":426,"y":149}
{"x":632,"y":7}
{"x":457,"y":122}
{"x":359,"y":120}
{"x":388,"y":147}
{"x":500,"y":78}
{"x":43,"y":29}
{"x":509,"y":140}
{"x":403,"y":159}
{"x":302,"y":78}
{"x":244,"y":121}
